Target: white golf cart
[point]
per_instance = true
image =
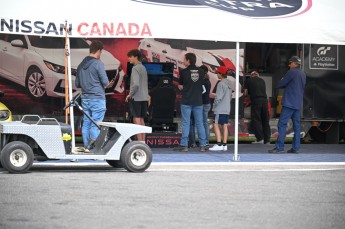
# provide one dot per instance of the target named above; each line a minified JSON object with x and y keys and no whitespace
{"x":36,"y":138}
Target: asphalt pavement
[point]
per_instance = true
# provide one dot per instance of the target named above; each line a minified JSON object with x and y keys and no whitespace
{"x":183,"y":190}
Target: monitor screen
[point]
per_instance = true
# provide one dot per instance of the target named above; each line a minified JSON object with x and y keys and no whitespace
{"x":155,"y":71}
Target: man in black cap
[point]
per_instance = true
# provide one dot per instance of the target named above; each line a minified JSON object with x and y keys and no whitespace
{"x":293,"y":82}
{"x":255,"y":87}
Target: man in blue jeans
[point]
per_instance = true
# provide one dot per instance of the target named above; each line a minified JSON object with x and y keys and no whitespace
{"x":92,"y":79}
{"x":293,"y":82}
{"x":190,"y":83}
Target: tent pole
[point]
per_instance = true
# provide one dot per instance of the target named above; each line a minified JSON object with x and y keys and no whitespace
{"x":71,"y":113}
{"x":236,"y":156}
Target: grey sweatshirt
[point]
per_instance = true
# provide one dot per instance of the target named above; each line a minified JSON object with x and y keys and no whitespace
{"x":221,"y":104}
{"x":91,"y":78}
{"x":139,"y":90}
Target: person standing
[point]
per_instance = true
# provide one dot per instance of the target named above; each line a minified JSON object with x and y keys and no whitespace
{"x":221,"y":109}
{"x":256,"y":88}
{"x":92,"y":79}
{"x":294,"y":83}
{"x":190,"y":83}
{"x":138,"y":92}
{"x":206,"y":103}
{"x":206,"y":109}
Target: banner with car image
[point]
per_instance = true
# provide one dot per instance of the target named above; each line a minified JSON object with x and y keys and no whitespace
{"x":32,"y":68}
{"x":280,"y":21}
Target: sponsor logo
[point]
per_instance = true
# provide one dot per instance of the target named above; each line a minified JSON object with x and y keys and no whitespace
{"x":194,"y":75}
{"x":254,"y":8}
{"x":323,"y":50}
{"x":323,"y":57}
{"x":83,"y":28}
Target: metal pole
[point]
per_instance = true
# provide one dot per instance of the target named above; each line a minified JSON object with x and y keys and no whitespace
{"x":236,"y":157}
{"x":71,"y":113}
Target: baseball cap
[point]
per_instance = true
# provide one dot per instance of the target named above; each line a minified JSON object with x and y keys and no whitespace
{"x":222,"y":70}
{"x":295,"y":59}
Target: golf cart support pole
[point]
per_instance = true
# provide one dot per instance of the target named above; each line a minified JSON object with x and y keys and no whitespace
{"x":70,"y":94}
{"x":74,"y":102}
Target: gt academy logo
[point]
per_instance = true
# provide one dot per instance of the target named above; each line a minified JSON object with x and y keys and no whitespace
{"x":253,"y":8}
{"x":323,"y":50}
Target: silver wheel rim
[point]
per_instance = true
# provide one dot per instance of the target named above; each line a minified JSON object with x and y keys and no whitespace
{"x":18,"y":158}
{"x":36,"y":84}
{"x":138,"y":157}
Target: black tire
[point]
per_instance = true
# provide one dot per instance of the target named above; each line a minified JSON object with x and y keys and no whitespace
{"x":35,"y":84}
{"x":115,"y":163}
{"x":17,"y":157}
{"x":136,"y":157}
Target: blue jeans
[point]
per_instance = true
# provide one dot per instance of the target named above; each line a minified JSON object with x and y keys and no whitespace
{"x":191,"y":135}
{"x":96,"y":109}
{"x":285,"y":115}
{"x":186,"y":111}
{"x":206,"y":109}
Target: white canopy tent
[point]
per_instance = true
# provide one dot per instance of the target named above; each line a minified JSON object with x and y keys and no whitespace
{"x":266,"y":21}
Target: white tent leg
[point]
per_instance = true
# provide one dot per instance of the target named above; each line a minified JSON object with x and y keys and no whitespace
{"x":236,"y":157}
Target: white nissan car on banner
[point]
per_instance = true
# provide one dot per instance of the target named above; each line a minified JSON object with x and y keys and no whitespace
{"x":37,"y":63}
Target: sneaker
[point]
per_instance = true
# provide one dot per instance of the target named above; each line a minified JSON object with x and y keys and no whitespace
{"x":90,"y":144}
{"x":193,"y":146}
{"x":217,"y":148}
{"x":225,"y":148}
{"x":276,"y":150}
{"x":292,"y":151}
{"x":207,"y":147}
{"x":202,"y":148}
{"x":181,"y":148}
{"x":258,"y":142}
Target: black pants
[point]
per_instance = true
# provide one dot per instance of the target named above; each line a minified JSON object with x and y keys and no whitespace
{"x":260,"y":119}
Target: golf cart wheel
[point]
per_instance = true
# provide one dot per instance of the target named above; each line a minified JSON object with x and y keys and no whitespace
{"x":136,"y":156}
{"x":115,"y":163}
{"x":35,"y":84}
{"x":17,"y":157}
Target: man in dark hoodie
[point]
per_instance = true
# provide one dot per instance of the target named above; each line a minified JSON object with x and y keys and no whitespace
{"x":92,"y":79}
{"x":190,"y":83}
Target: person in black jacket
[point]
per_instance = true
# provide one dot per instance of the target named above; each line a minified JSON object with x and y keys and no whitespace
{"x":206,"y":109}
{"x":190,"y":83}
{"x":256,"y":88}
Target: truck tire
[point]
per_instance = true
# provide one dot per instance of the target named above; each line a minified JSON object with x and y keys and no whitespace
{"x":136,"y":157}
{"x":17,"y":157}
{"x":115,"y":163}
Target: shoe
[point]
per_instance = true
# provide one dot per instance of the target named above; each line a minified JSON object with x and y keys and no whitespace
{"x":193,"y":146}
{"x":258,"y":142}
{"x":90,"y":144}
{"x":216,"y":148}
{"x":225,"y":148}
{"x":207,"y":147}
{"x":276,"y":150}
{"x":292,"y":151}
{"x":181,"y":148}
{"x":202,"y":149}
